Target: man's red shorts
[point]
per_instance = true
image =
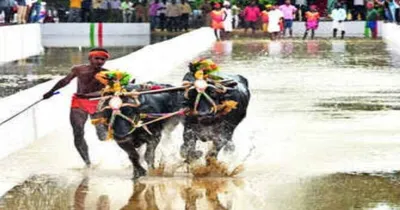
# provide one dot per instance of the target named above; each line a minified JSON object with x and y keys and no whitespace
{"x":85,"y":104}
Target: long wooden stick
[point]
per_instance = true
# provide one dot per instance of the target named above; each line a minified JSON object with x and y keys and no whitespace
{"x":163,"y":117}
{"x":143,"y":92}
{"x":161,"y":90}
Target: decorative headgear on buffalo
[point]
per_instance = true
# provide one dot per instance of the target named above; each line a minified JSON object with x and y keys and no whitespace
{"x":206,"y":65}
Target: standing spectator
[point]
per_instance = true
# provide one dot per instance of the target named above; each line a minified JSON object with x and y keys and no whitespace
{"x":217,"y":20}
{"x":126,"y":7}
{"x":289,"y":12}
{"x":274,"y":17}
{"x":235,"y":16}
{"x":228,"y":18}
{"x":146,"y":11}
{"x":338,"y":16}
{"x":74,"y":11}
{"x":393,"y":7}
{"x":301,"y":6}
{"x":251,"y":14}
{"x":186,"y":10}
{"x":162,"y":10}
{"x":397,"y":12}
{"x":312,"y":22}
{"x":206,"y":8}
{"x":115,"y":11}
{"x":6,"y":6}
{"x":372,"y":17}
{"x":154,"y":6}
{"x":265,"y":18}
{"x":385,"y":5}
{"x":359,"y":9}
{"x":86,"y":14}
{"x":104,"y":7}
{"x":35,"y":11}
{"x":139,"y":12}
{"x":96,"y":10}
{"x":173,"y":15}
{"x":21,"y":11}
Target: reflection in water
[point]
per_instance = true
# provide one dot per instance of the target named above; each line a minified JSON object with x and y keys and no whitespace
{"x":38,"y":192}
{"x":350,"y":191}
{"x":338,"y":46}
{"x":330,"y":192}
{"x":148,"y":195}
{"x":193,"y":194}
{"x":81,"y":192}
{"x":143,"y":198}
{"x":274,"y":48}
{"x":312,"y":47}
{"x":222,"y":48}
{"x":288,"y":47}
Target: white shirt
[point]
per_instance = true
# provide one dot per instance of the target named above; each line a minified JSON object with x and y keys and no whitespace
{"x":274,"y":17}
{"x":339,"y":14}
{"x":358,"y":2}
{"x":301,"y":2}
{"x":162,"y":10}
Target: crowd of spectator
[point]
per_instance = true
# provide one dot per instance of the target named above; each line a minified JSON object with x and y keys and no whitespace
{"x":20,"y":11}
{"x":177,"y":15}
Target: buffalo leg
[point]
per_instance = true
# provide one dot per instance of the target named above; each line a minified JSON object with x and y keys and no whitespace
{"x":227,"y":136}
{"x":150,"y":151}
{"x":213,"y":153}
{"x":138,"y":170}
{"x":224,"y":141}
{"x":188,"y":149}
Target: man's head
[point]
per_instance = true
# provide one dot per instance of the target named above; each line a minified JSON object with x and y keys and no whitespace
{"x":173,"y":1}
{"x":227,"y":4}
{"x":253,"y":3}
{"x":287,"y":2}
{"x":370,"y":5}
{"x":183,"y":1}
{"x":338,"y":5}
{"x":157,"y":1}
{"x":313,"y":8}
{"x":98,"y":57}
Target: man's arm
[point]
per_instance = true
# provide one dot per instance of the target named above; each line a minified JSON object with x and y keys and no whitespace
{"x":62,"y":83}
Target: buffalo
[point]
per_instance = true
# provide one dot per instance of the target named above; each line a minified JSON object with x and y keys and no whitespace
{"x":217,"y":106}
{"x":125,"y":116}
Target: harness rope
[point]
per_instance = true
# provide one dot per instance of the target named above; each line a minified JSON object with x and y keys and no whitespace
{"x":223,"y":108}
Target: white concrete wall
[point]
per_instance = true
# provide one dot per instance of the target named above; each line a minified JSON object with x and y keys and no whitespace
{"x":70,"y":29}
{"x":391,"y":34}
{"x":19,"y":41}
{"x":352,"y":28}
{"x":78,"y":34}
{"x":84,"y":41}
{"x":53,"y":114}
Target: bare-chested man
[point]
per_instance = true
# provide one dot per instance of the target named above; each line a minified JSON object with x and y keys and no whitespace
{"x":81,"y":107}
